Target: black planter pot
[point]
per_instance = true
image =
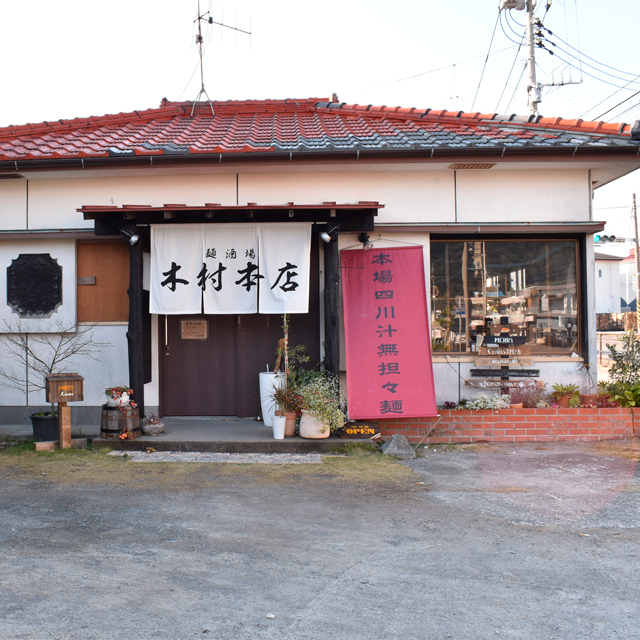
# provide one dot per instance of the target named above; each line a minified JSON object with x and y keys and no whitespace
{"x":45,"y":428}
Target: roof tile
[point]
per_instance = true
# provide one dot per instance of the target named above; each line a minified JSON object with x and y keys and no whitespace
{"x":316,"y":125}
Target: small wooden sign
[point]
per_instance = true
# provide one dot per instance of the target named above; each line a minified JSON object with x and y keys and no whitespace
{"x":504,"y":351}
{"x":497,"y":384}
{"x":503,"y":362}
{"x":504,"y":341}
{"x":512,"y":373}
{"x":194,"y":329}
{"x":64,"y":387}
{"x":359,"y":430}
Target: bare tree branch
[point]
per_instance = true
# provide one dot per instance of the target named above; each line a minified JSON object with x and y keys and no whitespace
{"x":42,"y":353}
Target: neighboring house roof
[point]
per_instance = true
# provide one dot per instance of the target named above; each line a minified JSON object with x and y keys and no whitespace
{"x":311,"y":126}
{"x":606,"y":256}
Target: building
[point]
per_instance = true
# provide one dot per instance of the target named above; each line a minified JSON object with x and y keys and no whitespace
{"x":501,"y":206}
{"x":627,"y":268}
{"x":608,"y":283}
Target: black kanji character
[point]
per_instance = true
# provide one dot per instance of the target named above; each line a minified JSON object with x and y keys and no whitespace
{"x":381,"y":258}
{"x":172,"y":280}
{"x":391,"y":406}
{"x":383,"y":276}
{"x":383,"y":295}
{"x":390,"y":386}
{"x":387,"y":368}
{"x":203,"y":276}
{"x":290,"y":284}
{"x":380,"y":330}
{"x":249,"y":279}
{"x":386,"y":312}
{"x":388,"y":350}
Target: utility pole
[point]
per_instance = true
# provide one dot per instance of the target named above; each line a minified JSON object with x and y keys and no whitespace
{"x":534,"y":89}
{"x":637,"y":261}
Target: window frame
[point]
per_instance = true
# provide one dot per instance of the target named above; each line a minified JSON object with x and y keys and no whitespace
{"x":582,"y":315}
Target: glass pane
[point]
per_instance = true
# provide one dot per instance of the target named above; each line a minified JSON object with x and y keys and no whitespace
{"x":519,"y":288}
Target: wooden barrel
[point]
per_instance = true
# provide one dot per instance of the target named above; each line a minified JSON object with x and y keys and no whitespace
{"x":115,"y":420}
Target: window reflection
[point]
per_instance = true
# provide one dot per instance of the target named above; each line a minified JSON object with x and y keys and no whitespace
{"x":525,"y":289}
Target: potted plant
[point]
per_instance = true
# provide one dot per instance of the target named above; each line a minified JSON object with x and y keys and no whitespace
{"x":289,"y":404}
{"x":566,"y":395}
{"x":45,"y":425}
{"x":152,"y":426}
{"x":118,"y":396}
{"x":321,"y":406}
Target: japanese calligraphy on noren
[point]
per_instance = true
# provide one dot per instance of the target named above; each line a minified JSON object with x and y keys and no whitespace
{"x":230,"y":268}
{"x":389,"y":371}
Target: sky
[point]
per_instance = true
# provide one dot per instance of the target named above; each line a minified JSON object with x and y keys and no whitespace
{"x":74,"y":58}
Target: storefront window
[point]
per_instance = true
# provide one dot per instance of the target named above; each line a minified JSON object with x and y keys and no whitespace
{"x":525,"y":289}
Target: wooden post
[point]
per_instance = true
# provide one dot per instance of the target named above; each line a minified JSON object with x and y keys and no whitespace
{"x":332,"y":306}
{"x":64,"y":425}
{"x":134,"y":333}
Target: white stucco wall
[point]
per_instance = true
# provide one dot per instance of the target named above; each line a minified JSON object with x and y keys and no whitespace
{"x":410,"y":196}
{"x":522,"y":196}
{"x":65,"y":253}
{"x":53,"y":202}
{"x":13,"y":204}
{"x":411,"y":193}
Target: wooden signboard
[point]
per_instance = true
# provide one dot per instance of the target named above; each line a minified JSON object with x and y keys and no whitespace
{"x":511,"y":373}
{"x":500,"y":384}
{"x":503,"y":362}
{"x":194,"y":329}
{"x":505,"y":351}
{"x":64,"y":387}
{"x":359,"y":430}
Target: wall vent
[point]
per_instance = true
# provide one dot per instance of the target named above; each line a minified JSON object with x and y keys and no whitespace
{"x":476,"y":165}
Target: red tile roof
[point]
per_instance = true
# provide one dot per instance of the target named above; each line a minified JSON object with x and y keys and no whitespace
{"x":310,"y":126}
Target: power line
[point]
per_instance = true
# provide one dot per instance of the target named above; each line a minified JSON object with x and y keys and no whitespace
{"x":515,"y":59}
{"x":516,"y":88}
{"x":619,"y":103}
{"x":424,"y":73}
{"x":607,"y":98}
{"x":495,"y":26}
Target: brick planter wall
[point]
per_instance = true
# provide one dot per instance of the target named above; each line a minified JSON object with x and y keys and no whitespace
{"x":518,"y":425}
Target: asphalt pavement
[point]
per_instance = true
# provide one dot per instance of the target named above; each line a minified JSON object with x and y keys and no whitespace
{"x":522,"y":542}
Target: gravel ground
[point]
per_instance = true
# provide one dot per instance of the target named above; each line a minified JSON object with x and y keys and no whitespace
{"x":482,"y":542}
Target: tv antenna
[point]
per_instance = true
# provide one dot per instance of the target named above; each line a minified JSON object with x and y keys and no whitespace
{"x":200,"y":43}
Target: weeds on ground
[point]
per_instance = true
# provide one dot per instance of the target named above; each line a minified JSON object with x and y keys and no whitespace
{"x":72,"y":466}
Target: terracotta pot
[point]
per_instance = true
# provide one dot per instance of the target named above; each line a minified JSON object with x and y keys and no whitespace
{"x":290,"y":426}
{"x":563,"y":401}
{"x":516,"y":405}
{"x":311,"y":427}
{"x":590,"y":399}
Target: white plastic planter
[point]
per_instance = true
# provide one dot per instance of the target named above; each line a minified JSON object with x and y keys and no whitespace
{"x":279,"y":423}
{"x":269,"y":382}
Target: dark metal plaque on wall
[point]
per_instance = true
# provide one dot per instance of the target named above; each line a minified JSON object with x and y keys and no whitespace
{"x":34,"y":285}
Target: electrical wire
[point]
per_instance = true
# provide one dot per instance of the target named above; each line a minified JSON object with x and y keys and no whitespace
{"x":602,"y":64}
{"x":585,"y":72}
{"x":424,"y":73}
{"x":509,"y":76}
{"x":616,"y":106}
{"x":607,"y":98}
{"x":517,"y":87}
{"x":495,"y":26}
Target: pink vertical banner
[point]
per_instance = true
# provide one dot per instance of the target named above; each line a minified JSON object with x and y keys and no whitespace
{"x":388,"y":347}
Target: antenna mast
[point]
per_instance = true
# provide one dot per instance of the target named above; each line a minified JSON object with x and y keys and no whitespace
{"x":200,"y":43}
